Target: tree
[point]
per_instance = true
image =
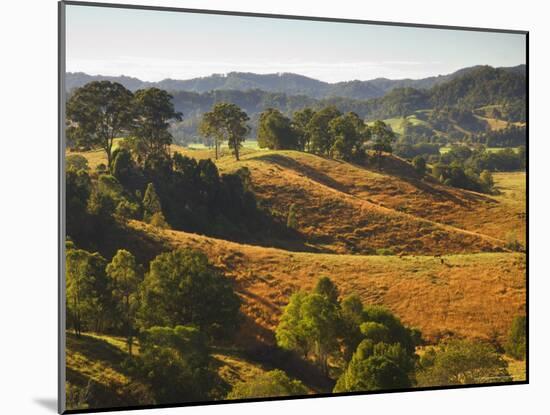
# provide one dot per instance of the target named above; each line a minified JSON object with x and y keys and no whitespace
{"x":125,"y":279}
{"x":461,"y":362}
{"x":78,"y":188}
{"x":382,"y":137}
{"x":300,"y":121}
{"x":326,"y":288}
{"x":175,"y":361}
{"x":76,"y":162}
{"x":182,"y":288}
{"x":309,"y":324}
{"x":151,"y":203}
{"x":291,"y":333}
{"x":396,"y":331}
{"x":516,"y":345}
{"x":351,"y":317}
{"x":486,"y":180}
{"x":374,"y":372}
{"x":225,"y":122}
{"x":99,"y":112}
{"x":275,"y":131}
{"x":419,"y":164}
{"x":87,"y":290}
{"x":124,"y":168}
{"x":319,"y":131}
{"x":267,"y":385}
{"x":349,"y":133}
{"x":154,"y":111}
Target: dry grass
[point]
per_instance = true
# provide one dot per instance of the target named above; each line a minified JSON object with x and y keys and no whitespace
{"x":517,"y":368}
{"x":470,"y":295}
{"x":95,"y":363}
{"x":347,"y":209}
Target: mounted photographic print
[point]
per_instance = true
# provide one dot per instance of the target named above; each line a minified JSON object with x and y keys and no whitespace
{"x":258,"y":207}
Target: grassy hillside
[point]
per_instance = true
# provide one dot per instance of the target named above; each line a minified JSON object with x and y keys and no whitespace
{"x":436,"y":256}
{"x":358,"y":209}
{"x":471,"y":295}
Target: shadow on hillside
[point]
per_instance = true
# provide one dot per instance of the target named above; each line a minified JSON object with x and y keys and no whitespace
{"x":310,"y":172}
{"x":293,"y":365}
{"x":98,"y":390}
{"x":395,"y":166}
{"x":257,"y":345}
{"x":389,"y":165}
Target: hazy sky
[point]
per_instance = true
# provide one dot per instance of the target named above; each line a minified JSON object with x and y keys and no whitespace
{"x":153,"y":45}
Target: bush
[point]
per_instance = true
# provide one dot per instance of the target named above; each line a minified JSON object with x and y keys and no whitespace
{"x":419,"y":165}
{"x":158,"y":221}
{"x":127,"y":210}
{"x":461,"y":362}
{"x":175,"y":362}
{"x":270,"y":384}
{"x":372,"y":371}
{"x":76,"y":162}
{"x":384,"y":251}
{"x":517,"y":338}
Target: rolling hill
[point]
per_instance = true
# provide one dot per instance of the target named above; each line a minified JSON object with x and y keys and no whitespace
{"x":286,"y":83}
{"x":436,"y":256}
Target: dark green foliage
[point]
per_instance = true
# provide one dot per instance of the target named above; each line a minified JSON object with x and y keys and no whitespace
{"x":275,"y":131}
{"x":97,"y":113}
{"x":455,"y":175}
{"x":309,"y":325}
{"x":125,"y":277}
{"x":376,"y":332}
{"x":397,"y":332}
{"x":154,"y":110}
{"x":151,"y":203}
{"x":351,"y":317}
{"x":482,"y":86}
{"x":88,"y":291}
{"x":516,"y":344}
{"x":419,"y":164}
{"x":126,"y":170}
{"x":225,"y":122}
{"x":270,"y":384}
{"x":326,"y":288}
{"x":349,"y":133}
{"x":182,"y":288}
{"x":78,"y":188}
{"x":128,"y":210}
{"x":372,"y":373}
{"x":76,"y":162}
{"x":175,"y":362}
{"x":461,"y":362}
{"x":382,"y":138}
{"x":321,"y":140}
{"x":300,"y":121}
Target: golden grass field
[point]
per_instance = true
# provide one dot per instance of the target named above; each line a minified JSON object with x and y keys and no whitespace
{"x":449,"y":271}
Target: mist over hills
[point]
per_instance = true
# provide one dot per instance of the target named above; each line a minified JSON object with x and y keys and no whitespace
{"x":286,"y":83}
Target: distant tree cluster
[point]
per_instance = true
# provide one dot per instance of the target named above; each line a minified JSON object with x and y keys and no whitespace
{"x":470,"y":168}
{"x":327,"y":132}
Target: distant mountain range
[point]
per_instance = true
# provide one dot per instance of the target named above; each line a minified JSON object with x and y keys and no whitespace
{"x":285,"y":83}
